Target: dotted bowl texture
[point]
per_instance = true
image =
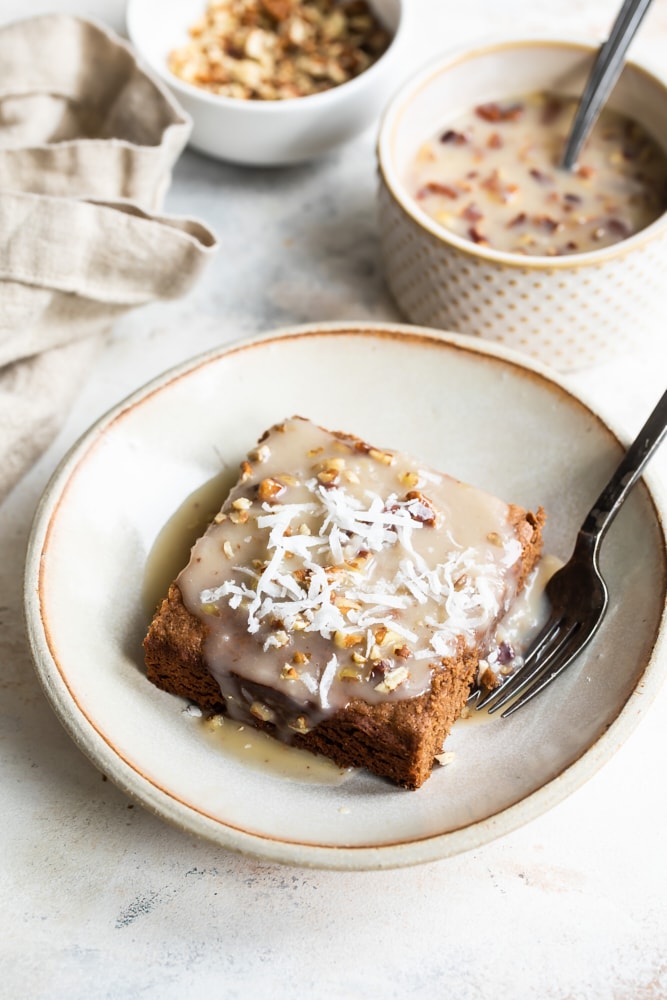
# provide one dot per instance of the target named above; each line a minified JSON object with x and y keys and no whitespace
{"x":567,"y":317}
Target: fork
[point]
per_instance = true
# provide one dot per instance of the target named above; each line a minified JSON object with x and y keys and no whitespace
{"x":577,"y":593}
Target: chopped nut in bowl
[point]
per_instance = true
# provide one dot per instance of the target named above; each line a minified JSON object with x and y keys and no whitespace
{"x":272,"y":82}
{"x":483,"y":232}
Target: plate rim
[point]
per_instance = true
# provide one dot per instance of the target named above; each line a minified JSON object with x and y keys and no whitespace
{"x":103,"y":755}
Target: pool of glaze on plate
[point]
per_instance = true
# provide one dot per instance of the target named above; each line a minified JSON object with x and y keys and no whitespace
{"x":171,"y":550}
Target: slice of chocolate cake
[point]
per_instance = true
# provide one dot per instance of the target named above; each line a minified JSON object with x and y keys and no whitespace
{"x":342,"y":600}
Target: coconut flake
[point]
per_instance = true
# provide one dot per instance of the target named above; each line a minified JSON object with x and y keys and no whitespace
{"x":326,"y":680}
{"x":381,"y":599}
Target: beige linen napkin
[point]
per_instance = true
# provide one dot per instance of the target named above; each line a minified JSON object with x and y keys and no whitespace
{"x":87,"y":143}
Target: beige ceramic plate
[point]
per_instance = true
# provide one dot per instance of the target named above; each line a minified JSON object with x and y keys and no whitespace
{"x":475,"y":411}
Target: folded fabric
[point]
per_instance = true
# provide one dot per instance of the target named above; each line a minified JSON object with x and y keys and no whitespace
{"x":67,"y":268}
{"x":80,"y":117}
{"x":88,"y":141}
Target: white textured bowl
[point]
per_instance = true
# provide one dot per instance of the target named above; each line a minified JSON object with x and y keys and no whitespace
{"x":569,"y":311}
{"x":266,"y":133}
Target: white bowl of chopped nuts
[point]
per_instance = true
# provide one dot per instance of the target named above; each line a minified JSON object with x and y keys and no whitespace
{"x":483,"y":233}
{"x":272,"y":82}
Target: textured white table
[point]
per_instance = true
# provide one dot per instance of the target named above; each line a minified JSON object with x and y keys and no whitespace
{"x":100,"y":899}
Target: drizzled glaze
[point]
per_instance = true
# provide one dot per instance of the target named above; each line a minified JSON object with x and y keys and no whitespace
{"x":336,"y":571}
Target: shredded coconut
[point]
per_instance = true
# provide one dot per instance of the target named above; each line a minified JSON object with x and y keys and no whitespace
{"x":349,"y":526}
{"x":327,"y":680}
{"x":344,"y":563}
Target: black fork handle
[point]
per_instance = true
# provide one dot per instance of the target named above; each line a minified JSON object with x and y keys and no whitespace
{"x":607,"y":505}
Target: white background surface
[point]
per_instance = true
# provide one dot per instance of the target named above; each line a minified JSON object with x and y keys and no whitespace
{"x":100,"y":899}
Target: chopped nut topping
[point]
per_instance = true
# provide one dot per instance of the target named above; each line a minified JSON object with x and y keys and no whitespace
{"x":335,"y":464}
{"x":359,"y":560}
{"x":486,"y":678}
{"x":380,"y":668}
{"x":219,"y":518}
{"x":228,"y":549}
{"x":300,"y":725}
{"x":269,"y":489}
{"x":345,"y":605}
{"x":385,"y":457}
{"x":345,"y":640}
{"x":328,"y":477}
{"x":349,"y":673}
{"x":261,"y":453}
{"x":276,"y":49}
{"x":420,"y":507}
{"x":493,"y":112}
{"x":409,"y":478}
{"x":262,"y":711}
{"x":386,"y":637}
{"x":279,"y":638}
{"x":392,"y":679}
{"x":242,"y":503}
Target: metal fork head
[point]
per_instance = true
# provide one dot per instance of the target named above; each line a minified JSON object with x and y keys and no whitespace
{"x":577,"y":593}
{"x":578,"y":599}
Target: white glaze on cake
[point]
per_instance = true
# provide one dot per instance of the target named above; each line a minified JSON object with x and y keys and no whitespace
{"x":339,"y":571}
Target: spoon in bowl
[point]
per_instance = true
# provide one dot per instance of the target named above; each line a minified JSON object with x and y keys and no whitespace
{"x":604,"y":74}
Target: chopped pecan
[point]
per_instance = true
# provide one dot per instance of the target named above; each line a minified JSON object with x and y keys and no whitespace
{"x":436,"y":187}
{"x":278,"y":49}
{"x":455,"y":138}
{"x":494,"y":112}
{"x":270,"y":489}
{"x":420,"y":507}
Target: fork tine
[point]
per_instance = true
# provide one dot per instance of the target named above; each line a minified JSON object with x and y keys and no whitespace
{"x":547,"y":670}
{"x":535,"y":666}
{"x":544,"y":637}
{"x":551,"y":674}
{"x":578,"y":588}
